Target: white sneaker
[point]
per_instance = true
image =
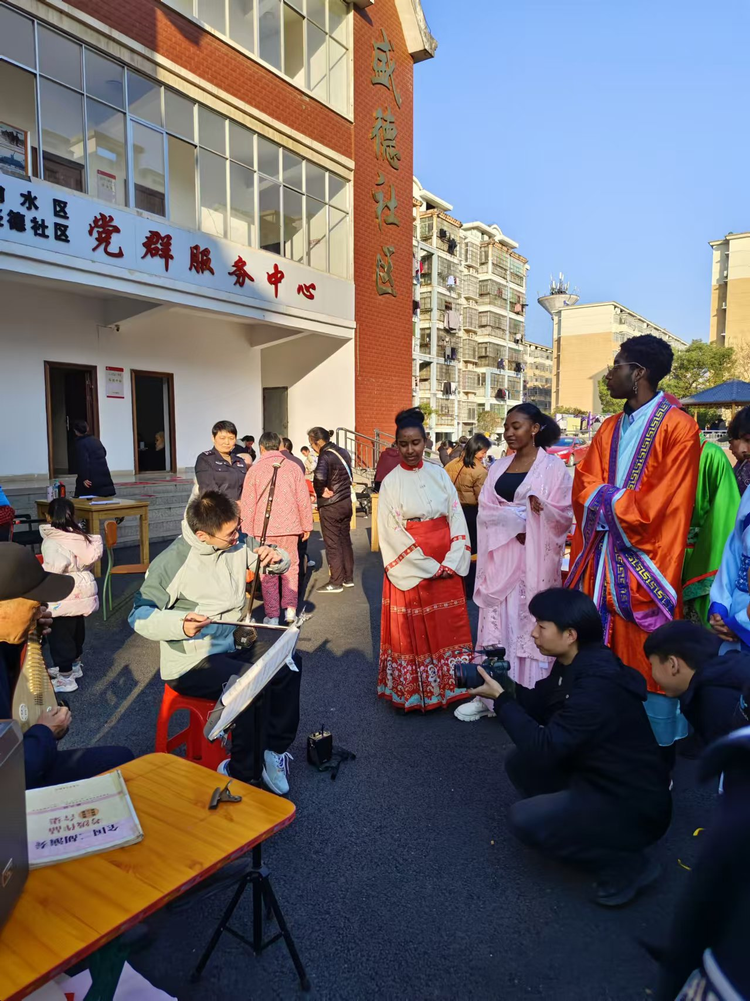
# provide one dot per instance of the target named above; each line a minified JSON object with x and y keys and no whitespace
{"x":312,"y":563}
{"x":468,"y":712}
{"x":223,"y":768}
{"x":64,"y":683}
{"x":77,"y":668}
{"x":290,"y":616}
{"x":276,"y":771}
{"x":271,"y":620}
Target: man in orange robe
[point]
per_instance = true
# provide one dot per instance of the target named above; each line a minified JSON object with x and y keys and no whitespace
{"x":633,"y":498}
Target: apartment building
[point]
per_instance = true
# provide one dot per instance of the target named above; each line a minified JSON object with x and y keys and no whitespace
{"x":538,"y":375}
{"x":730,"y":291}
{"x":182,"y":186}
{"x":469,"y":317}
{"x":586,"y":337}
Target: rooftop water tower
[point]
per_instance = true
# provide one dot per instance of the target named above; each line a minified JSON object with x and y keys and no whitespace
{"x":559,"y":295}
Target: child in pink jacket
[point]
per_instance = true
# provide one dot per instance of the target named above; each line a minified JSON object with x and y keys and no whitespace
{"x":67,"y":549}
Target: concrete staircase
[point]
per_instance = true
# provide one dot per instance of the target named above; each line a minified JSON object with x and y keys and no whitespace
{"x":167,"y":502}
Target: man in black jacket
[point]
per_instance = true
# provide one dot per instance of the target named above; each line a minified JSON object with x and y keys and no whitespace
{"x":586,"y":757}
{"x":93,"y":476}
{"x":332,"y":480}
{"x":685,"y":662}
{"x":25,"y":588}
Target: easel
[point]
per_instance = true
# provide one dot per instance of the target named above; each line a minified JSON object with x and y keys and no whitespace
{"x":259,"y":879}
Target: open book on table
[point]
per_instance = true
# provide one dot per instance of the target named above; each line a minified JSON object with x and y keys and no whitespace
{"x":80,"y":818}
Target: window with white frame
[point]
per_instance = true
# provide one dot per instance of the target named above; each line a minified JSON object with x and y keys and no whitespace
{"x":121,"y":137}
{"x":306,"y":40}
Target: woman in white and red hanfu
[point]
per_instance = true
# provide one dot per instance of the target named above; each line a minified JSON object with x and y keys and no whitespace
{"x":424,"y":541}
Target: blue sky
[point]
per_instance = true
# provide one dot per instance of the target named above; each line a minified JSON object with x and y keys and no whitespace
{"x":608,"y":137}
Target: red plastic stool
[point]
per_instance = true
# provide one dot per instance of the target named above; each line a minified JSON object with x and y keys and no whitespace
{"x":197,"y":747}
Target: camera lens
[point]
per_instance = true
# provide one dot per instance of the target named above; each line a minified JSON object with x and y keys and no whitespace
{"x":466,"y":675}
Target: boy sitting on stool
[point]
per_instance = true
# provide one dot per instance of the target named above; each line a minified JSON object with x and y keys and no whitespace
{"x":202,"y":577}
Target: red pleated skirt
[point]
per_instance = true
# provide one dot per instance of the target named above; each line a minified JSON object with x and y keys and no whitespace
{"x":424,"y":631}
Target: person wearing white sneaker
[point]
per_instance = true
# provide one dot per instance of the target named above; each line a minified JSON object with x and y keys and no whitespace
{"x":478,"y":708}
{"x":276,"y":771}
{"x":67,"y":549}
{"x":190,"y":588}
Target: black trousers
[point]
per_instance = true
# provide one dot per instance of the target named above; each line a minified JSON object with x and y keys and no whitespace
{"x":66,"y":641}
{"x":470,"y":513}
{"x":334,"y":526}
{"x":575,"y":825}
{"x":72,"y":766}
{"x":280,"y":703}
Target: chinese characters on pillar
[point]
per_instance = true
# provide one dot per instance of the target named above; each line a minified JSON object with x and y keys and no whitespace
{"x":384,"y":136}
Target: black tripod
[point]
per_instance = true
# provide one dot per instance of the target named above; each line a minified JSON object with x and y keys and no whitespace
{"x":259,"y":879}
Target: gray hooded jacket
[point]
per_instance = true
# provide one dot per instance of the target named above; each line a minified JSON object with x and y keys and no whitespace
{"x":193,"y":576}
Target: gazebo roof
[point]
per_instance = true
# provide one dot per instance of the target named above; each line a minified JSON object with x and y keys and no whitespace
{"x":733,"y":392}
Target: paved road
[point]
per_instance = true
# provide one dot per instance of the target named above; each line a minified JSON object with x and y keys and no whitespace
{"x":399,"y":880}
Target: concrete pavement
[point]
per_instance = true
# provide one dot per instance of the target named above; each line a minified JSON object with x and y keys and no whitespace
{"x":398,"y":880}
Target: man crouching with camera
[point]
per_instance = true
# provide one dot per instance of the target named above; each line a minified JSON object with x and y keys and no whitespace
{"x":596,"y":788}
{"x":189,"y":589}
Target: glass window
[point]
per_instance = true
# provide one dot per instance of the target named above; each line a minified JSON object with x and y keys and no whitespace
{"x":62,"y":135}
{"x":292,"y":170}
{"x":144,"y":98}
{"x":59,"y":57}
{"x":107,"y":156}
{"x":338,"y":192}
{"x":179,"y":113}
{"x":212,"y":130}
{"x":181,"y":182}
{"x":269,"y":31}
{"x":339,"y":243}
{"x":316,"y":9}
{"x":316,"y":181}
{"x":294,"y":241}
{"x":16,"y":37}
{"x":317,"y":234}
{"x":294,"y":45}
{"x":268,"y":158}
{"x":337,"y":23}
{"x":242,"y":205}
{"x":212,"y":13}
{"x":104,"y":78}
{"x":316,"y":61}
{"x":213,"y":177}
{"x":242,"y":23}
{"x":183,"y":6}
{"x":269,"y":199}
{"x":18,"y":108}
{"x":148,"y":169}
{"x":339,"y":86}
{"x":241,"y":145}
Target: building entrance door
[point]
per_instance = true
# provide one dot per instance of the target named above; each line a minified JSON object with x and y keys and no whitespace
{"x":153,"y":421}
{"x":276,"y":410}
{"x":71,"y":396}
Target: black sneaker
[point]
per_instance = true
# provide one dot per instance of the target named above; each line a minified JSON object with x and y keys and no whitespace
{"x":330,"y":589}
{"x":619,"y":886}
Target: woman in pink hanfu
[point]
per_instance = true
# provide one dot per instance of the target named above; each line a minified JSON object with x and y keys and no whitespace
{"x":525,"y":514}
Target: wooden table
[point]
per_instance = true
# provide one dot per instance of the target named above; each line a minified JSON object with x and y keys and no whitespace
{"x":69,"y":910}
{"x":97,"y":514}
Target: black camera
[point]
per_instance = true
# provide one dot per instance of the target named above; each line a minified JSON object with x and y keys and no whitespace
{"x":494,"y":663}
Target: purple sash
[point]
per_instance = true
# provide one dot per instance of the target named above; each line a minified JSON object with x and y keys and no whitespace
{"x":623,"y":559}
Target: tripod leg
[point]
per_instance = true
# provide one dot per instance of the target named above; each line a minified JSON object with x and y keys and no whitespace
{"x":220,"y":928}
{"x":257,"y":914}
{"x":283,"y":928}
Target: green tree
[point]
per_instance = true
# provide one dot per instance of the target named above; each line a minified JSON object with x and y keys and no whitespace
{"x":607,"y":404}
{"x":489,"y":421}
{"x":428,"y":411}
{"x":572,"y":411}
{"x":700,"y":366}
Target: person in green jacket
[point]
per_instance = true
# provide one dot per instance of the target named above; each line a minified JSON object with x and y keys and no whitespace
{"x":717,"y":501}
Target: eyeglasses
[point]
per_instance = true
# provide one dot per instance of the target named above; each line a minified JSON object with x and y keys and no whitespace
{"x":221,"y":538}
{"x":619,"y":364}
